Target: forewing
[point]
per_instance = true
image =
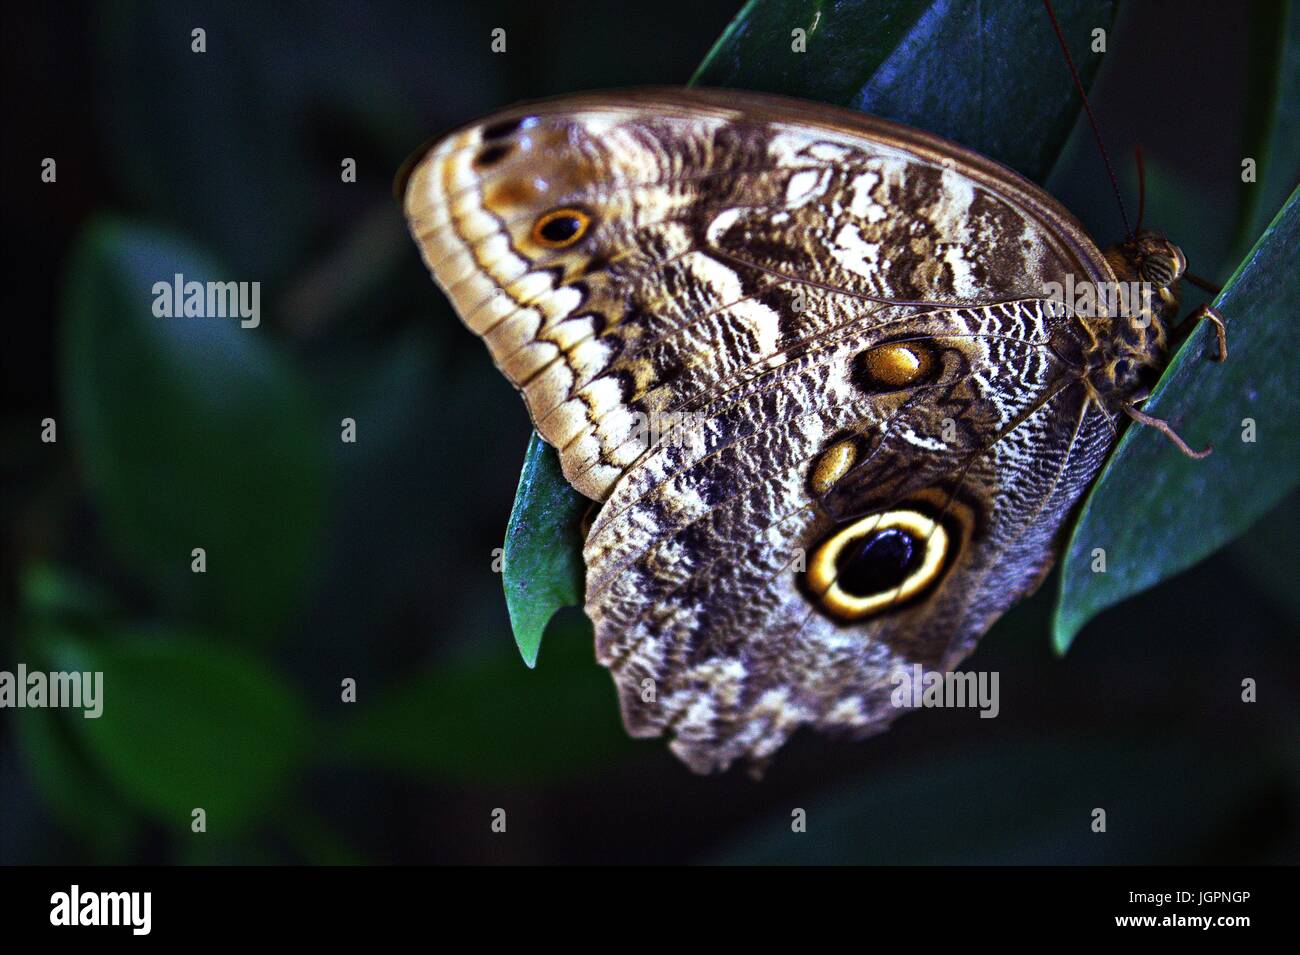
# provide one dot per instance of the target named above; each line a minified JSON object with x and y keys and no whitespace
{"x":725,"y":233}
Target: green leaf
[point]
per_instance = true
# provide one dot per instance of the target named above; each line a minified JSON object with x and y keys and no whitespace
{"x":1164,"y":798}
{"x":77,"y":795}
{"x":185,"y":724}
{"x":192,"y":432}
{"x":479,"y":718}
{"x":987,"y":75}
{"x":541,"y":568}
{"x":1155,"y":512}
{"x":49,"y":591}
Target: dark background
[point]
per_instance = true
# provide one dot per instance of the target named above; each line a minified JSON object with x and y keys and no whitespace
{"x":238,"y":150}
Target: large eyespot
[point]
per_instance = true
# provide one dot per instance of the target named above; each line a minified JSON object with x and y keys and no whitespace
{"x":560,"y":228}
{"x":877,"y":562}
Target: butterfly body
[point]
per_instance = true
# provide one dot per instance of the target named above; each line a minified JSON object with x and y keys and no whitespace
{"x":806,"y":361}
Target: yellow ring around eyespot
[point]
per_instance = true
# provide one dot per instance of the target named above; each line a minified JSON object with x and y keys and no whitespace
{"x":584,"y":221}
{"x":822,"y":573}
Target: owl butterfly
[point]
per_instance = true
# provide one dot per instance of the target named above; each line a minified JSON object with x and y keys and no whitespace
{"x":887,"y":418}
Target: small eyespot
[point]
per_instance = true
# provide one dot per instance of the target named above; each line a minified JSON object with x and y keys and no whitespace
{"x":561,"y":228}
{"x":835,"y":462}
{"x":894,"y":365}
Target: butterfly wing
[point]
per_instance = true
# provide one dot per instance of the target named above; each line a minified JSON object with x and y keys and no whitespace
{"x":702,"y":563}
{"x":806,"y":359}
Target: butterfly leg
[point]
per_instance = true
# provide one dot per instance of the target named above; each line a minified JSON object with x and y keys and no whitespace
{"x":1163,"y":427}
{"x":1208,"y":314}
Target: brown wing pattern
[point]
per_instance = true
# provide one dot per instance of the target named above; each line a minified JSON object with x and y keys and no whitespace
{"x":748,"y":324}
{"x":692,"y":562}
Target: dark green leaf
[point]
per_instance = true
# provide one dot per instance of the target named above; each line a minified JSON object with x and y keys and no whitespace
{"x":1162,"y":800}
{"x":49,"y":591}
{"x":1155,"y":512}
{"x":987,"y":75}
{"x":541,"y":568}
{"x":480,"y":718}
{"x":1200,"y":222}
{"x":82,"y":800}
{"x":185,"y":724}
{"x":78,"y":796}
{"x":193,"y":433}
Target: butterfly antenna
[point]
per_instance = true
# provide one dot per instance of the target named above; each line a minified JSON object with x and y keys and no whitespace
{"x":1142,"y":186}
{"x":1201,"y":283}
{"x":1087,"y":108}
{"x":1204,"y":284}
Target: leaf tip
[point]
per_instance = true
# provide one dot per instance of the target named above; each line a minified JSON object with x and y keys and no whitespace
{"x":1064,"y":631}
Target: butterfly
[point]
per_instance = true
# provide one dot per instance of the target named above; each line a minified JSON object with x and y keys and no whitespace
{"x":808,"y":363}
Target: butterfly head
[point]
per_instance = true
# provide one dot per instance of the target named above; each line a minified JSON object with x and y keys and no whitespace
{"x":1156,"y":261}
{"x":1133,"y":347}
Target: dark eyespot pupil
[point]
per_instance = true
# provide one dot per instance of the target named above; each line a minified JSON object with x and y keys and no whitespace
{"x":560,"y":228}
{"x":878,"y":562}
{"x":490,"y":155}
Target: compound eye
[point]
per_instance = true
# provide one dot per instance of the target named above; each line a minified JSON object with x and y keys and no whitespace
{"x":1157,"y":270}
{"x":1164,"y":267}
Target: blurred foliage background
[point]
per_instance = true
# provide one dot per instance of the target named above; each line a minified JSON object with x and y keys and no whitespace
{"x":373,"y":560}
